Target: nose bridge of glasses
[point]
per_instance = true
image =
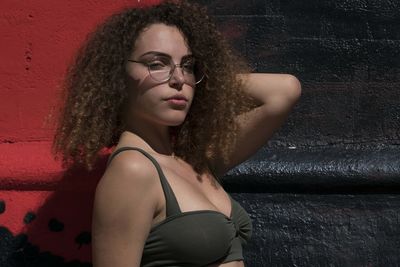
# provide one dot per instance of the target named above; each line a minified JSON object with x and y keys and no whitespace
{"x":188,"y":75}
{"x":174,"y":67}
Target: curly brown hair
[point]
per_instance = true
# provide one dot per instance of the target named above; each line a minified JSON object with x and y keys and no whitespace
{"x":95,"y":88}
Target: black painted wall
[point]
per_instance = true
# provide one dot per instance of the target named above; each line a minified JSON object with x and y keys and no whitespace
{"x":325,"y":190}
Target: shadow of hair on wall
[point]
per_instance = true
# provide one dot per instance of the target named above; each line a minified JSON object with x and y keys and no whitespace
{"x":60,"y":234}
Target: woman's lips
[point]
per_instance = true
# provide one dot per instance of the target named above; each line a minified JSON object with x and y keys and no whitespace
{"x":177,"y":102}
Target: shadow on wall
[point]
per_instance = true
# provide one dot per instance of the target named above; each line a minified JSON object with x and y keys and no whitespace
{"x":59,"y":232}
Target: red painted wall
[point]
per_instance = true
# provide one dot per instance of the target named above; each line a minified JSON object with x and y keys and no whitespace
{"x":39,"y":199}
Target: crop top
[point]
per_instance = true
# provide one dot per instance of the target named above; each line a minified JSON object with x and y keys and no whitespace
{"x":193,"y":238}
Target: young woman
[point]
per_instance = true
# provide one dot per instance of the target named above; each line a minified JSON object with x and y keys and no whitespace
{"x":162,"y":86}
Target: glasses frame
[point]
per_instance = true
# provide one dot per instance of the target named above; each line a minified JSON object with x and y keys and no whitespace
{"x":170,"y":73}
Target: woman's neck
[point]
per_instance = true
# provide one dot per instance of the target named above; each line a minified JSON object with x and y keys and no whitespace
{"x":156,"y":139}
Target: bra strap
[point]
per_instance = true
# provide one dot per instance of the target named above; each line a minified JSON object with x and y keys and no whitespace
{"x":172,"y":206}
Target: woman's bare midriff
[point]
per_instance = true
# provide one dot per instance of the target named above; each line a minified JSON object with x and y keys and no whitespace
{"x":228,"y":264}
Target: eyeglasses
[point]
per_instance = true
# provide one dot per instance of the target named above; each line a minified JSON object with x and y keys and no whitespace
{"x":161,"y":69}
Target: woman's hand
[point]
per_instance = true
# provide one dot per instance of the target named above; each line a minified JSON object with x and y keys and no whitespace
{"x":276,"y":94}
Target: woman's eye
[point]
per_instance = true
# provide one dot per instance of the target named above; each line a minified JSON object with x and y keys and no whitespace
{"x":156,"y":65}
{"x":188,"y":66}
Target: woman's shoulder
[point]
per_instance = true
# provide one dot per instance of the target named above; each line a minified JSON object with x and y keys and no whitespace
{"x":131,"y":172}
{"x":125,"y":203}
{"x":130,"y":166}
{"x":129,"y":182}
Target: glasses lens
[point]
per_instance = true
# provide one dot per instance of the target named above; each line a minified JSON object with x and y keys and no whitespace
{"x":160,"y":75}
{"x":192,"y":71}
{"x":198,"y":72}
{"x":160,"y":69}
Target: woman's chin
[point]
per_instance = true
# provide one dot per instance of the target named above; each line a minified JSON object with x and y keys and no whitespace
{"x":176,"y":119}
{"x":176,"y":123}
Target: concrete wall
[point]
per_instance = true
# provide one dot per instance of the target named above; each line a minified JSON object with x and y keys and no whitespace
{"x":323,"y":192}
{"x":44,"y":210}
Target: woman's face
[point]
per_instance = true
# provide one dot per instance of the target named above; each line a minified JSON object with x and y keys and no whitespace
{"x":151,"y":101}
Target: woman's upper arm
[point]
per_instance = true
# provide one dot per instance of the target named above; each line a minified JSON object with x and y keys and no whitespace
{"x":276,"y":93}
{"x":124,"y":206}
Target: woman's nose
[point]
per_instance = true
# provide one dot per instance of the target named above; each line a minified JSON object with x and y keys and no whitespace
{"x":177,"y":76}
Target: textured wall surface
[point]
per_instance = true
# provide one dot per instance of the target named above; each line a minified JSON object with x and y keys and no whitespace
{"x":346,"y":54}
{"x":323,"y":192}
{"x":323,"y":229}
{"x":45,"y":211}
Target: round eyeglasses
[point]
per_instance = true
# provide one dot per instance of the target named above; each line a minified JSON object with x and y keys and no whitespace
{"x":162,"y":69}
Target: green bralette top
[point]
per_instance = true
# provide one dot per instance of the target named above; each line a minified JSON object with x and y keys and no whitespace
{"x":194,"y":238}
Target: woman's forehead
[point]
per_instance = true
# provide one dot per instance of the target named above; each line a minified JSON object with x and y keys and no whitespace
{"x":162,"y":38}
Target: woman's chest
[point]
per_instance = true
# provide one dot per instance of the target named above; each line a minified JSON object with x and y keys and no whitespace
{"x":195,"y":191}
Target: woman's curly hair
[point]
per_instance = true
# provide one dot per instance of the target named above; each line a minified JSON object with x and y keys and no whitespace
{"x":95,"y":88}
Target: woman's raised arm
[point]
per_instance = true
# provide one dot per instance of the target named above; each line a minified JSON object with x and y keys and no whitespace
{"x":276,"y":94}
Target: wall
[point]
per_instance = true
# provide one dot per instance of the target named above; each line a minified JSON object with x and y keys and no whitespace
{"x":325,"y":190}
{"x":322,"y":192}
{"x":44,"y":210}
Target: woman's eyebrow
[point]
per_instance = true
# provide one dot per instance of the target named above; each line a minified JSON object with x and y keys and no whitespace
{"x":163,"y":54}
{"x":154,"y":53}
{"x":188,"y":56}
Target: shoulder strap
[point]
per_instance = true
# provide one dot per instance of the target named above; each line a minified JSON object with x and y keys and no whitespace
{"x":172,"y":206}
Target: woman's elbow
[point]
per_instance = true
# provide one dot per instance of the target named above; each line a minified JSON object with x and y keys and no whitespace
{"x":293,"y":88}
